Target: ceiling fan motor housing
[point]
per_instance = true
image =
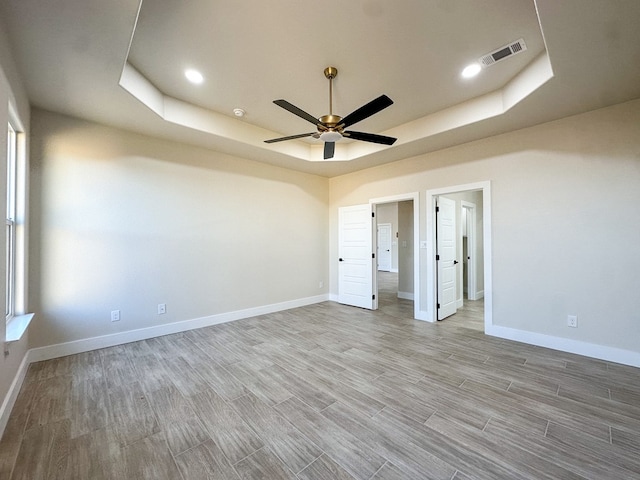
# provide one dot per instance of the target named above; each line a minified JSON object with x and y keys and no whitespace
{"x":330,"y":121}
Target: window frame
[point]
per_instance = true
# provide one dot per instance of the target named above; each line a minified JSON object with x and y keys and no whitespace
{"x":11,"y":212}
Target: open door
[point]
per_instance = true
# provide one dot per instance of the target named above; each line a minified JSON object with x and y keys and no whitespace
{"x":446,"y":256}
{"x":356,"y":262}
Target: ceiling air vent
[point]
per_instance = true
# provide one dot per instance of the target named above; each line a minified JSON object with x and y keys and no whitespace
{"x":502,"y":53}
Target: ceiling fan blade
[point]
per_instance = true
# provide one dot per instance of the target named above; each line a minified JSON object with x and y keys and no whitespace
{"x":329,"y":149}
{"x":371,"y":108}
{"x":370,"y":137}
{"x":296,"y":111}
{"x":290,"y":137}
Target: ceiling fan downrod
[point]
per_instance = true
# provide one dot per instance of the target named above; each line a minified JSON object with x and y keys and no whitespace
{"x":330,"y":120}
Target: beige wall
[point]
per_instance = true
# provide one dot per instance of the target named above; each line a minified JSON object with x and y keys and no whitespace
{"x":11,"y":92}
{"x":125,"y":222}
{"x":565,"y":204}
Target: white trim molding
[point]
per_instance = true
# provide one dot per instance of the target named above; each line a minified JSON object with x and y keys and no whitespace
{"x":17,"y":326}
{"x":104,"y":341}
{"x":12,"y":393}
{"x":406,"y":295}
{"x":602,"y":352}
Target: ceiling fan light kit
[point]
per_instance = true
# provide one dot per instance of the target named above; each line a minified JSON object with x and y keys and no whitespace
{"x":330,"y":136}
{"x":331,"y":128}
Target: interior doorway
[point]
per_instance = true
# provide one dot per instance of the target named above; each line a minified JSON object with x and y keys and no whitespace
{"x":469,"y":213}
{"x":395,"y":252}
{"x":399,"y":283}
{"x":474,"y":212}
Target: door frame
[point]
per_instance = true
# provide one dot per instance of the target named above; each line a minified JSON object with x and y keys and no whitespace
{"x":430,"y":270}
{"x":417,"y":287}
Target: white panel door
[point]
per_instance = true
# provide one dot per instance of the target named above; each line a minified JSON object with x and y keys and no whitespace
{"x":356,"y":264}
{"x":446,"y":251}
{"x":384,"y":247}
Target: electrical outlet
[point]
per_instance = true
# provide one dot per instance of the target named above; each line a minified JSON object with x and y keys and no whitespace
{"x":162,"y":308}
{"x":572,"y":321}
{"x":115,"y":315}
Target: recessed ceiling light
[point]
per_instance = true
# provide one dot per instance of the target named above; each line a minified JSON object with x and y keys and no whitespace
{"x":471,"y":70}
{"x":238,"y":112}
{"x":193,"y":76}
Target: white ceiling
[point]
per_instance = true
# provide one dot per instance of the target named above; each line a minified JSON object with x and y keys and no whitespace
{"x":121,"y":63}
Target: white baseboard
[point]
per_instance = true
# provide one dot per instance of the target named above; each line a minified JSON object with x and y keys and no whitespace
{"x":609,"y":354}
{"x":478,"y":295}
{"x":104,"y":341}
{"x":405,"y":295}
{"x":394,"y":270}
{"x":12,"y":393}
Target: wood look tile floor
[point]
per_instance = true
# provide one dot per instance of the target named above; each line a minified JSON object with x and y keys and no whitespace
{"x":327,"y":392}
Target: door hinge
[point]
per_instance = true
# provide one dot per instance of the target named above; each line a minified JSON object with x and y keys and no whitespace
{"x":437,"y":209}
{"x":373,"y":255}
{"x":438,"y":305}
{"x":373,"y":214}
{"x":373,"y":297}
{"x":437,"y":257}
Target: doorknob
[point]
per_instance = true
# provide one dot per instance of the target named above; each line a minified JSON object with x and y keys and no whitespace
{"x":455,"y":262}
{"x":387,"y":249}
{"x":340,"y":260}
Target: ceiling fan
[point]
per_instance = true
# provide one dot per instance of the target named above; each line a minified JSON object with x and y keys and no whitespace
{"x":331,"y":128}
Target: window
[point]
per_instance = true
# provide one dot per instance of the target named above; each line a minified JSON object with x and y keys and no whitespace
{"x":12,"y":161}
{"x":15,"y":256}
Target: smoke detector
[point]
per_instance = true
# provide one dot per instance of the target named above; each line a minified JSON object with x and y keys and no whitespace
{"x":503,"y":52}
